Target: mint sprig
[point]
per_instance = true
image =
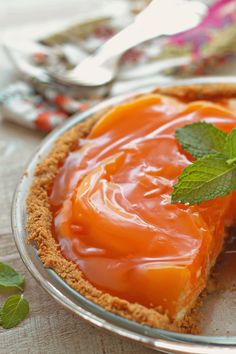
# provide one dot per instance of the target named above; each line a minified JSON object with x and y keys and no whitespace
{"x":16,"y":307}
{"x":213,"y":174}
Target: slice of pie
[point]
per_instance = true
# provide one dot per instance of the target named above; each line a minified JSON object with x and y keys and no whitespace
{"x":100,"y":214}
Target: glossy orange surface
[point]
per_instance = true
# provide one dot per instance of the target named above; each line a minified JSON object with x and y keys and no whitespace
{"x":112,"y":210}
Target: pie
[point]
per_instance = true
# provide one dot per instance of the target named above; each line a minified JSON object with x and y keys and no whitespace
{"x":100,"y":214}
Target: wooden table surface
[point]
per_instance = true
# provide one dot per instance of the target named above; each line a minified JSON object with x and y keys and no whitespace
{"x":49,"y":328}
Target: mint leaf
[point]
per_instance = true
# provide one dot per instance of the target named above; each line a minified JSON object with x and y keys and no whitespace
{"x":214,"y":173}
{"x":230,"y":147}
{"x":201,"y":138}
{"x":207,"y":178}
{"x":9,"y":278}
{"x":14,"y":311}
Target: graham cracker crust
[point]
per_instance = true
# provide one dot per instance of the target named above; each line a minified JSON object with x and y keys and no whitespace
{"x":39,"y":216}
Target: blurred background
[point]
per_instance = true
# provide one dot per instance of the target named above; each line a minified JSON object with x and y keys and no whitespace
{"x":32,"y":19}
{"x":211,"y":47}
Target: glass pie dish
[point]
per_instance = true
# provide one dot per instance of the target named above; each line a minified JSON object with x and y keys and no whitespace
{"x":218,"y":313}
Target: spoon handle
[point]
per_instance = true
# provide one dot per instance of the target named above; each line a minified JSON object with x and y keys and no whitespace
{"x":158,"y":18}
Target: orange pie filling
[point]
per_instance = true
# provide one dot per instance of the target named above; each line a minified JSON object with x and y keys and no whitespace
{"x":112,"y":211}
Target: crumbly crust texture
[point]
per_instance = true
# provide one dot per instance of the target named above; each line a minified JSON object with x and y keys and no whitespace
{"x":39,"y":216}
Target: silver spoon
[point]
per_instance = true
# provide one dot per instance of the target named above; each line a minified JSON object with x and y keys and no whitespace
{"x":160,"y":17}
